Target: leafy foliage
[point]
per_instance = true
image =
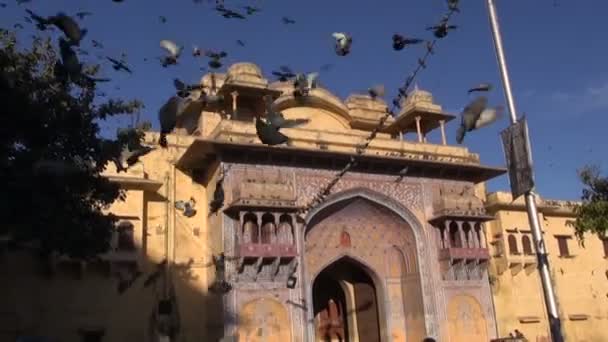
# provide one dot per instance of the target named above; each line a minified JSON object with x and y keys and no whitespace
{"x":52,"y":155}
{"x":592,"y":215}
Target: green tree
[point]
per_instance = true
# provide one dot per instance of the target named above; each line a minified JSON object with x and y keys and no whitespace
{"x":52,"y":154}
{"x":592,"y":214}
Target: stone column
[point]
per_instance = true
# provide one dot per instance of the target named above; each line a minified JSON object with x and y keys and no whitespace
{"x":235,"y":95}
{"x":442,"y":127}
{"x":418,"y":129}
{"x":464,"y":243}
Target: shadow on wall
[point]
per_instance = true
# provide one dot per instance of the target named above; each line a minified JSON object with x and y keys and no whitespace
{"x":105,"y":300}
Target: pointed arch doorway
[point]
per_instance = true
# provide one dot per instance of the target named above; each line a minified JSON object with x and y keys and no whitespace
{"x":345,"y":304}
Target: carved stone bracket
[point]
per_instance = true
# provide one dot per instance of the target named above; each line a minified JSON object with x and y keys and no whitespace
{"x":275,"y":268}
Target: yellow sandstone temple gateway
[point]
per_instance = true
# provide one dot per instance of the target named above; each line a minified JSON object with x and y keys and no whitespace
{"x":384,"y":258}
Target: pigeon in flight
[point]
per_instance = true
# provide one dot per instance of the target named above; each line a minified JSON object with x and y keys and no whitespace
{"x":376,"y":91}
{"x":187,"y":208}
{"x":162,"y":19}
{"x":441,"y":30}
{"x":41,"y":22}
{"x":216,"y":57}
{"x":288,"y":21}
{"x":196,"y":51}
{"x":453,"y":6}
{"x":240,"y":42}
{"x":96,"y":44}
{"x":284,"y":73}
{"x":218,"y":197}
{"x":168,"y":115}
{"x":3,"y":5}
{"x":268,"y":133}
{"x":173,"y":50}
{"x":277,"y":119}
{"x":82,"y":15}
{"x":131,"y":156}
{"x":251,"y":10}
{"x":343,"y":43}
{"x":400,"y":42}
{"x":70,"y":67}
{"x":227,"y":13}
{"x":119,"y":65}
{"x":481,"y":87}
{"x":476,"y":115}
{"x":303,"y":84}
{"x":68,"y":26}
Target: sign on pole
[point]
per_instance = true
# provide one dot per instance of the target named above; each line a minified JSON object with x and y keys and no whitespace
{"x":516,"y":145}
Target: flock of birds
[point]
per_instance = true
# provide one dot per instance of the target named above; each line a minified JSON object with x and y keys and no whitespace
{"x":475,"y":115}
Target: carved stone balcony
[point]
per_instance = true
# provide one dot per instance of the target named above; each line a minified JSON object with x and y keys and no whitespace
{"x":263,"y":190}
{"x":267,"y":250}
{"x":464,"y":254}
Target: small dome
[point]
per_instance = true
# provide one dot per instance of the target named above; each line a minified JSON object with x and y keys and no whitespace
{"x":249,"y":69}
{"x":419,"y":96}
{"x":246,"y":73}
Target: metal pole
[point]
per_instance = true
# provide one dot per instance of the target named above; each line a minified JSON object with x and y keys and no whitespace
{"x":541,"y":253}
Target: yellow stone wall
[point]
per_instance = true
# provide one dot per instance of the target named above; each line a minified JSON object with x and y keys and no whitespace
{"x":60,"y":305}
{"x":581,"y":282}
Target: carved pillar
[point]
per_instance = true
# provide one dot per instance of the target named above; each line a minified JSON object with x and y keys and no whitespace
{"x":473,"y":236}
{"x":259,"y":215}
{"x":446,"y":234}
{"x":442,"y":127}
{"x":482,"y":236}
{"x":418,"y":129}
{"x":463,"y":239}
{"x":235,"y":95}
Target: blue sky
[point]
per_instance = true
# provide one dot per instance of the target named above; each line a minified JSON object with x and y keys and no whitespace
{"x":556,"y":57}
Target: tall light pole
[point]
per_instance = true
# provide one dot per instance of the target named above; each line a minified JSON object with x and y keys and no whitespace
{"x":541,"y":253}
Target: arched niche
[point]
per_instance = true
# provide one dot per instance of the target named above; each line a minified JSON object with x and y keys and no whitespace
{"x":250,"y":229}
{"x":264,"y":320}
{"x":466,"y":320}
{"x":269,"y":229}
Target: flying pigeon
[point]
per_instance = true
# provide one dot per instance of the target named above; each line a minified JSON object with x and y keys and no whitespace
{"x":168,"y":115}
{"x":196,"y":52}
{"x":3,"y":5}
{"x":251,"y":10}
{"x":303,"y":84}
{"x":82,"y":15}
{"x":475,"y":115}
{"x":284,"y":74}
{"x":130,"y":156}
{"x":441,"y":30}
{"x":97,"y":44}
{"x":376,"y":91}
{"x":227,"y":13}
{"x":453,"y":6}
{"x":216,"y":57}
{"x":400,"y":42}
{"x":277,"y":119}
{"x":162,"y":19}
{"x":119,"y":65}
{"x":240,"y":42}
{"x":343,"y":43}
{"x":187,"y":208}
{"x":288,"y":21}
{"x":481,"y":87}
{"x":69,"y":27}
{"x":41,"y":22}
{"x":218,"y":197}
{"x":268,"y":133}
{"x":173,"y":50}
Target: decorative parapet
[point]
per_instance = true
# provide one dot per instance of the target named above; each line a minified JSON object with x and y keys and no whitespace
{"x":366,"y":112}
{"x":263,"y":188}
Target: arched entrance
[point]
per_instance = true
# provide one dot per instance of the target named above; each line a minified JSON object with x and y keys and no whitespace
{"x":359,"y":229}
{"x":345,"y":304}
